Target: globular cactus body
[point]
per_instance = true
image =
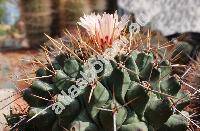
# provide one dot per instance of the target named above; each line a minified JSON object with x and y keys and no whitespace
{"x":125,"y":93}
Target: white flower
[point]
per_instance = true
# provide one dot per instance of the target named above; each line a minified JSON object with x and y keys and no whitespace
{"x":104,"y":29}
{"x":90,"y":23}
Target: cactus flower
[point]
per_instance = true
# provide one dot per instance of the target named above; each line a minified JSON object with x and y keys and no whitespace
{"x":104,"y":29}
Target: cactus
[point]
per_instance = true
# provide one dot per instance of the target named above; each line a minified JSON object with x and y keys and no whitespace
{"x":193,"y":78}
{"x":182,"y":53}
{"x":70,"y":11}
{"x":187,"y":46}
{"x":135,"y":91}
{"x":149,"y":108}
{"x":38,"y":19}
{"x":55,"y":19}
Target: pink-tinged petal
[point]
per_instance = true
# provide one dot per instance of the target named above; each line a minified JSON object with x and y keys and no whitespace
{"x":104,"y":28}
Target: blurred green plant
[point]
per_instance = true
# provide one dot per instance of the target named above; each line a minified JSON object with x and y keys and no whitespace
{"x":2,"y":10}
